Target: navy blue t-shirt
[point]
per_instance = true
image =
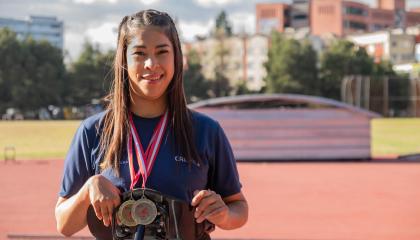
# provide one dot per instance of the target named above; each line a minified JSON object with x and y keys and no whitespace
{"x":171,"y":173}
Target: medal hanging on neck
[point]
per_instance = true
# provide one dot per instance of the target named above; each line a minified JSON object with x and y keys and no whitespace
{"x":145,"y":159}
{"x":143,"y":211}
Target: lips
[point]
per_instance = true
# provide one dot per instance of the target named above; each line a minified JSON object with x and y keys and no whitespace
{"x":152,"y":77}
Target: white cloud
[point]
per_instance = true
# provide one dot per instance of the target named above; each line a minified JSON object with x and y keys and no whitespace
{"x":189,"y":30}
{"x":149,"y":2}
{"x":241,"y":22}
{"x":211,"y":3}
{"x":93,"y":1}
{"x":105,"y":35}
{"x":73,"y":42}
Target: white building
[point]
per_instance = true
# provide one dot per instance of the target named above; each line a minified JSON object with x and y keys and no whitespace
{"x":257,"y":54}
{"x":37,"y":27}
{"x":243,"y":58}
{"x":396,"y":47}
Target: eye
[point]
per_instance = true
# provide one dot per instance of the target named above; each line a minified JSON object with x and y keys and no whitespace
{"x":162,"y":52}
{"x":139,"y":53}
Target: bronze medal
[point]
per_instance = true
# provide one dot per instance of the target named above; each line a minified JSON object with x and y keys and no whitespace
{"x":125,"y":214}
{"x":144,"y":211}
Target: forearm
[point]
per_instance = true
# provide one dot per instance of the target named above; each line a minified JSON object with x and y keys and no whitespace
{"x":70,"y":213}
{"x":237,"y":215}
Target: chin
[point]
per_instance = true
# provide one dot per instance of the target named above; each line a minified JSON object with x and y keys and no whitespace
{"x":152,"y":96}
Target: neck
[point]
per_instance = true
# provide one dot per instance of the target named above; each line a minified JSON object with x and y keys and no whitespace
{"x":148,"y":108}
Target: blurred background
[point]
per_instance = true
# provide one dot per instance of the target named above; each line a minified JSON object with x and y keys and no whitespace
{"x":293,"y":83}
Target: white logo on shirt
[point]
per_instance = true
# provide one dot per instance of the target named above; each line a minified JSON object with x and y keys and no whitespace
{"x":124,"y":162}
{"x":182,"y":159}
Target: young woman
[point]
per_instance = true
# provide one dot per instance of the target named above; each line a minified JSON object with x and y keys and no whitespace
{"x":187,"y":154}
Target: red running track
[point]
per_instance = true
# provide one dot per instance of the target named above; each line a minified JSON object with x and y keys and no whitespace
{"x":296,"y":201}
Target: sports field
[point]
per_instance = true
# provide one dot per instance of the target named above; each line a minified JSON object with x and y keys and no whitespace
{"x":395,"y":136}
{"x":375,"y":200}
{"x":37,"y":139}
{"x":51,"y":139}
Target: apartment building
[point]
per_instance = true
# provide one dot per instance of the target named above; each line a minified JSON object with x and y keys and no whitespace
{"x":243,"y":58}
{"x":37,"y":27}
{"x":393,"y":46}
{"x":339,"y":17}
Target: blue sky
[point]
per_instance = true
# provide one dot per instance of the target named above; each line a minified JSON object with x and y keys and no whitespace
{"x":94,"y":20}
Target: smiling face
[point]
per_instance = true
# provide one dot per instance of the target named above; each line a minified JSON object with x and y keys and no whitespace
{"x":150,"y":63}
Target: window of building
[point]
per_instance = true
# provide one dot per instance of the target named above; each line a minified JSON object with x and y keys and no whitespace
{"x":407,"y":57}
{"x":377,"y":27}
{"x":354,"y":25}
{"x":268,"y":13}
{"x":355,"y":11}
{"x":300,"y":17}
{"x":326,"y":9}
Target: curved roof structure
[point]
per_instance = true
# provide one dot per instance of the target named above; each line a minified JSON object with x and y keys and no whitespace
{"x":278,"y":101}
{"x":291,"y":127}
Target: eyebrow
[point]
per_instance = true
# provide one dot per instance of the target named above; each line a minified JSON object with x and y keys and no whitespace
{"x":158,"y":46}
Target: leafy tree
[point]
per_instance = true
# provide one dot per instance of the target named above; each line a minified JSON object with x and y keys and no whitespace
{"x":223,"y":26}
{"x":10,"y":67}
{"x":44,"y":75}
{"x":31,"y":73}
{"x":241,"y":89}
{"x":307,"y":71}
{"x":90,"y":75}
{"x":221,"y":86}
{"x":291,"y":66}
{"x":398,"y":90}
{"x":341,"y":59}
{"x":196,"y":86}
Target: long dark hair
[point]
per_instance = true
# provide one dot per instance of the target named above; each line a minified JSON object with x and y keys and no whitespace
{"x":115,"y":125}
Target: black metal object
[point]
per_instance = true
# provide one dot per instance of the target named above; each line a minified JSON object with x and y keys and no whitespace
{"x":175,"y":220}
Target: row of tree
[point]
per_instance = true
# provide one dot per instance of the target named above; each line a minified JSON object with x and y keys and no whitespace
{"x":295,"y":67}
{"x":33,"y":74}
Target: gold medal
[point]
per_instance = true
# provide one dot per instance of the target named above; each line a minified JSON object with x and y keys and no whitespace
{"x":144,"y":211}
{"x":125,"y":215}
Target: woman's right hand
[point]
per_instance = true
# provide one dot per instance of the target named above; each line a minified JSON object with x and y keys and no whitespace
{"x":104,"y":197}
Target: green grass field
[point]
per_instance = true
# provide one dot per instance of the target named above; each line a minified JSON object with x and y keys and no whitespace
{"x":51,"y":139}
{"x":37,"y":139}
{"x":395,"y":136}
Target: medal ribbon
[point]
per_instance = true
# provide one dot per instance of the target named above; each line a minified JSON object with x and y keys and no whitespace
{"x":146,"y":159}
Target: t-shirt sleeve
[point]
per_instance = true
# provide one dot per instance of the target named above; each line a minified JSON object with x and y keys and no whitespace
{"x":77,"y":165}
{"x":224,"y":176}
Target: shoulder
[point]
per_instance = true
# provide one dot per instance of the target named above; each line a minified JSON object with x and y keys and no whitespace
{"x":202,"y":121}
{"x":91,"y":127}
{"x":94,"y":122}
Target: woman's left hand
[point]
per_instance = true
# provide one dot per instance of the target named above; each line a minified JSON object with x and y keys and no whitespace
{"x":209,"y":205}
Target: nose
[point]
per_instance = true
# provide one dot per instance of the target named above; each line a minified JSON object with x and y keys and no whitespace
{"x":151,"y":63}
